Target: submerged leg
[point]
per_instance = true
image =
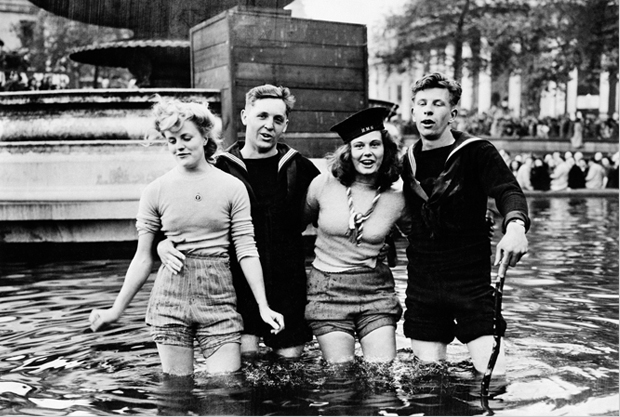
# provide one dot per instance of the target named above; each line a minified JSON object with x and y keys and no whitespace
{"x":379,"y":345}
{"x":225,"y":359}
{"x":429,"y":351}
{"x":249,"y":345}
{"x":337,"y":347}
{"x":176,"y":360}
{"x":293,"y":352}
{"x":480,"y":350}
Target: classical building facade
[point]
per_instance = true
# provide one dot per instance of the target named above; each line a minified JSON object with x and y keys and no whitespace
{"x":12,"y":12}
{"x":480,"y":96}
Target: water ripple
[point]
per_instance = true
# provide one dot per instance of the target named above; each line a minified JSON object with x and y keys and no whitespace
{"x":561,"y":304}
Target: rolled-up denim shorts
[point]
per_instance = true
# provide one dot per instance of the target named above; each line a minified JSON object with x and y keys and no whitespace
{"x":357,"y":300}
{"x":197,"y":303}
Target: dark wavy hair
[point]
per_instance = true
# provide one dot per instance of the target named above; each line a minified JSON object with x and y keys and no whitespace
{"x":341,"y":165}
{"x":438,"y":80}
{"x":171,"y":113}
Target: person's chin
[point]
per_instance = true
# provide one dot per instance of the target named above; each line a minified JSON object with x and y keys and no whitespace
{"x":431,"y":136}
{"x":268,"y":143}
{"x":266,"y":147}
{"x":367,"y":172}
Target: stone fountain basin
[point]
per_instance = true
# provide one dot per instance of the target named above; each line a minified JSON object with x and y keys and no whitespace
{"x":73,"y":163}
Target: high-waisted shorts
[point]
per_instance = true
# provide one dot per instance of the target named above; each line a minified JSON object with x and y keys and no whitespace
{"x":364,"y":297}
{"x":200,"y":298}
{"x":446,"y":303}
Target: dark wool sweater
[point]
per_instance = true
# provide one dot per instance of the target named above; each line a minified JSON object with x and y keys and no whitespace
{"x":278,"y":225}
{"x":449,"y":221}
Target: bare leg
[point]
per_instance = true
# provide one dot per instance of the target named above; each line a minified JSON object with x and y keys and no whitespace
{"x":225,"y":360}
{"x":249,"y":348}
{"x":480,"y":350}
{"x":249,"y":345}
{"x":428,"y":351}
{"x":379,"y":345}
{"x":176,"y":360}
{"x":337,"y":347}
{"x":293,"y":352}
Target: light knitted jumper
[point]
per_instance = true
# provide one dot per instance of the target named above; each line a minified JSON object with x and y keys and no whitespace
{"x":203,"y":212}
{"x":327,"y":207}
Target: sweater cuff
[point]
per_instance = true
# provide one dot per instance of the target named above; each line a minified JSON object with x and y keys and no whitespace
{"x":516,"y":215}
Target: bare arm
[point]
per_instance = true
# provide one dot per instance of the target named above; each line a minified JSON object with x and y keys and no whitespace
{"x":253,"y":272}
{"x":137,"y":274}
{"x":311,"y":207}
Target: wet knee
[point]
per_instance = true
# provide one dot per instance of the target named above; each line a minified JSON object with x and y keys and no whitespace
{"x":428,"y":351}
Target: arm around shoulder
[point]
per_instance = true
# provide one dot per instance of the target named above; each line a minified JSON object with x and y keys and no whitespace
{"x":311,"y":207}
{"x":405,"y":222}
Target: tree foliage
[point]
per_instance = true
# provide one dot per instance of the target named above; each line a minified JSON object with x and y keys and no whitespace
{"x":48,"y":41}
{"x":542,"y":40}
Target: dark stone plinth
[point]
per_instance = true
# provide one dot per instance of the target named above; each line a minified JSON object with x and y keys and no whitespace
{"x":325,"y":64}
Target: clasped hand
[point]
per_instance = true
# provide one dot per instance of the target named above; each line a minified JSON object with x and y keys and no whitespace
{"x":512,"y":246}
{"x":100,"y":318}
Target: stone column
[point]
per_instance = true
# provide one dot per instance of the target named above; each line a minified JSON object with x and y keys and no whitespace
{"x":603,"y":106}
{"x":571,"y":93}
{"x":484,"y":80}
{"x":484,"y":91}
{"x":514,"y":95}
{"x":467,"y":82}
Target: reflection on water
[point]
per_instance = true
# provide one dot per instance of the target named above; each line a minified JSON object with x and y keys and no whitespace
{"x":561,"y":304}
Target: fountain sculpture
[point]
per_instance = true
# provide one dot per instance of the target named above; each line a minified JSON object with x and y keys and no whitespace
{"x":158,"y":55}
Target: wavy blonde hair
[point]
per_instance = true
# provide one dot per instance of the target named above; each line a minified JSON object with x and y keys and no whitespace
{"x":171,"y":113}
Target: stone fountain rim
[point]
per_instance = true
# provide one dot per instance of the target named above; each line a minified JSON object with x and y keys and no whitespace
{"x":103,"y":95}
{"x":134,"y":43}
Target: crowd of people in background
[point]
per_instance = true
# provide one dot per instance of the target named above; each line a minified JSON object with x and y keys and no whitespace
{"x":593,"y":127}
{"x":22,"y":81}
{"x":498,"y":123}
{"x":568,"y":171}
{"x":36,"y":81}
{"x":17,"y":74}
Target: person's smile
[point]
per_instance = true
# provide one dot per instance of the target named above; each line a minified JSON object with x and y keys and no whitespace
{"x":265,"y":122}
{"x":367,"y":163}
{"x":367,"y":153}
{"x":266,"y":135}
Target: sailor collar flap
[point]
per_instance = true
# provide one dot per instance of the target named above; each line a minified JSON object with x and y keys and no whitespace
{"x":234,"y":154}
{"x":457,"y":146}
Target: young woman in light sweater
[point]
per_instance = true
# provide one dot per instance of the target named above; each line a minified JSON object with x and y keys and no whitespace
{"x":203,"y":208}
{"x":354,"y":207}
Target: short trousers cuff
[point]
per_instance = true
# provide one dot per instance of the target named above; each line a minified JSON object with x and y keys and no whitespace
{"x":428,"y":333}
{"x":363,"y":327}
{"x":184,"y":337}
{"x":209,"y":345}
{"x":475,"y":330}
{"x":321,"y":327}
{"x":173,"y":335}
{"x":376,"y":324}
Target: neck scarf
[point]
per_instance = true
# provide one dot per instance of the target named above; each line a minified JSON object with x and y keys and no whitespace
{"x":356,"y":220}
